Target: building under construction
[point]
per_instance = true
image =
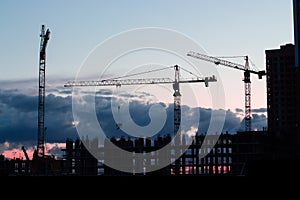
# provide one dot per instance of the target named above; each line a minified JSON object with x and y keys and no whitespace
{"x":78,"y":160}
{"x":230,"y":156}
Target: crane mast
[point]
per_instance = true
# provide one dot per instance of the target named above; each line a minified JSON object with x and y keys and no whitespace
{"x":41,"y":98}
{"x":177,"y":116}
{"x":247,"y":81}
{"x":177,"y":105}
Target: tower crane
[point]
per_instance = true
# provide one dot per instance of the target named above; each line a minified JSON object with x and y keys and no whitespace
{"x":177,"y":96}
{"x":175,"y":82}
{"x":247,"y":81}
{"x":45,"y":35}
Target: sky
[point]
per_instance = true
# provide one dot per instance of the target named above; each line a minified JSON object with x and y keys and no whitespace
{"x":221,"y":28}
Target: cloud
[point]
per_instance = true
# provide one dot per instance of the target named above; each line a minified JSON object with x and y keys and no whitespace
{"x":55,"y":149}
{"x":54,"y":85}
{"x":18,"y":117}
{"x":14,"y":150}
{"x":232,"y":122}
{"x":3,"y":146}
{"x":259,"y":110}
{"x":18,"y":101}
{"x":238,"y":110}
{"x":259,"y":121}
{"x":28,"y":86}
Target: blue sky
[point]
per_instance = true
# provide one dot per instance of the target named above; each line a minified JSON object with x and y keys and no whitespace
{"x":231,"y":27}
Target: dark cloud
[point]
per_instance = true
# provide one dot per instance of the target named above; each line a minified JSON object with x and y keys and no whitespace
{"x":14,"y":145}
{"x":259,"y":121}
{"x":232,"y":122}
{"x":104,"y":92}
{"x":238,"y":110}
{"x":18,"y":101}
{"x":66,"y":92}
{"x":259,"y":110}
{"x":18,"y":117}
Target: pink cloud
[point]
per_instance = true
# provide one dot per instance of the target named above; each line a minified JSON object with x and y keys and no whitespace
{"x":18,"y":153}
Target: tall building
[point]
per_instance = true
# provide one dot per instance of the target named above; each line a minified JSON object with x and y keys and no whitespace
{"x":296,"y":9}
{"x":296,"y":6}
{"x":283,"y":94}
{"x":281,"y":100}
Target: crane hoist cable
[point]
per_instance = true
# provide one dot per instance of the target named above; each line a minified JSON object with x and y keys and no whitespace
{"x":139,"y":73}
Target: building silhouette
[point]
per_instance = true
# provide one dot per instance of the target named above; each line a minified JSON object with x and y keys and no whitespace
{"x":296,"y":14}
{"x":78,"y":160}
{"x":283,"y":86}
{"x":296,"y":6}
{"x":232,"y":155}
{"x":281,"y":100}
